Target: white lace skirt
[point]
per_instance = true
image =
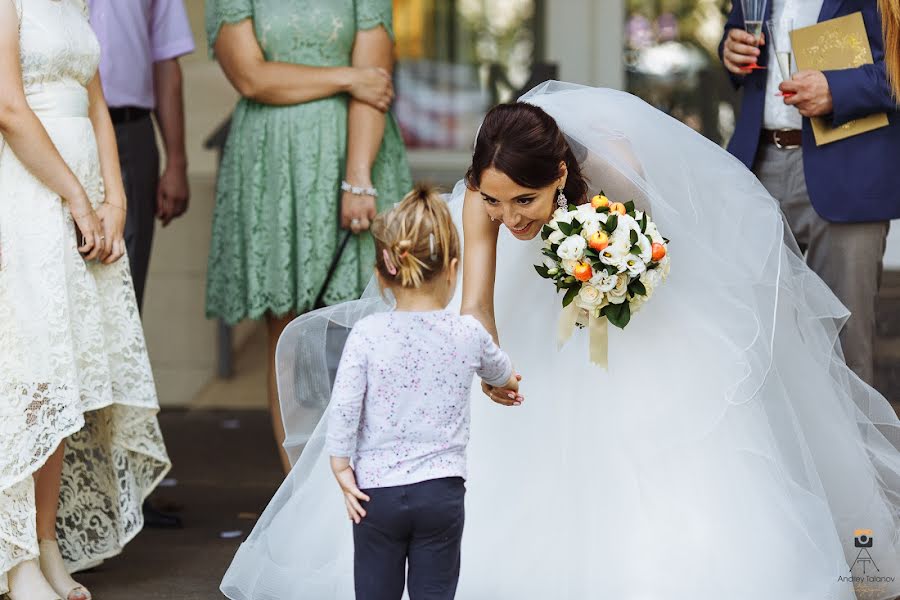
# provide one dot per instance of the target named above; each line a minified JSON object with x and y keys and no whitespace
{"x":73,"y":367}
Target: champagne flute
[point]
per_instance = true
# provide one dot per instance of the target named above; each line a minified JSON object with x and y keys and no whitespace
{"x":754,"y":13}
{"x":780,"y":38}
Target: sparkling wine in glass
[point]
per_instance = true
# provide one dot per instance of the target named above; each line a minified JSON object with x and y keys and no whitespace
{"x":754,"y":13}
{"x":780,"y":38}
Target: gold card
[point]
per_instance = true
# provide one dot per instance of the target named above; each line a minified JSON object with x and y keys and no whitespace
{"x":839,"y":43}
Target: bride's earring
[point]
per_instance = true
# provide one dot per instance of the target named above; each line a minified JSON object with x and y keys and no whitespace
{"x":561,"y":200}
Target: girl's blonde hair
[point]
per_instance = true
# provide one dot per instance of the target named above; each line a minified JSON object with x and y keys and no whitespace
{"x":416,"y":240}
{"x":890,"y":19}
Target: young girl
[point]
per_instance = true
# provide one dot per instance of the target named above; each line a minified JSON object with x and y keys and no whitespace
{"x":399,"y":420}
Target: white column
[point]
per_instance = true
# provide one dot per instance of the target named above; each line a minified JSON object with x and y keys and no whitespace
{"x":585,"y":37}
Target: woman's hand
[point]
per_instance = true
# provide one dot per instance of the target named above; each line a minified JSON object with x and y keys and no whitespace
{"x":91,"y":244}
{"x":112,"y":220}
{"x":373,"y":86}
{"x":352,"y":494}
{"x":508,"y":394}
{"x":357,"y":212}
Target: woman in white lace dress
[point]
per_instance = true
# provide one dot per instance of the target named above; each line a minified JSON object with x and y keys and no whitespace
{"x":80,"y":446}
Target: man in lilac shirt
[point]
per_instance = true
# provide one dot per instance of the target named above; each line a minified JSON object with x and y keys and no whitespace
{"x":141,"y":41}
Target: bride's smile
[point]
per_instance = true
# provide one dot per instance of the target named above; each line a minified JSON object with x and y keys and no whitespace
{"x":521,"y":209}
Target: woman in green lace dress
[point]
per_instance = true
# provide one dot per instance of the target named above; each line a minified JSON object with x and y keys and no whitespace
{"x":314,"y":76}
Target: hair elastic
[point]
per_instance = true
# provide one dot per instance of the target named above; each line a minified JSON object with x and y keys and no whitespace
{"x":388,"y":262}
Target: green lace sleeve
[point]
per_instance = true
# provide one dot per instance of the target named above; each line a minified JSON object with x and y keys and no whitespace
{"x":220,"y":12}
{"x":372,"y":13}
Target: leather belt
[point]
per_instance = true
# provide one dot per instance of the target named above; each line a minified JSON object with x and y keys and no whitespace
{"x":784,"y":139}
{"x":127,"y":114}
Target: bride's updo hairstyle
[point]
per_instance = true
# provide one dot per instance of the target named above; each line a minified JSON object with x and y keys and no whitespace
{"x":416,"y":240}
{"x":525,"y":143}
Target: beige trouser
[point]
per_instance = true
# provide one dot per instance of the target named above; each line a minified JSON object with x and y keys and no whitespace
{"x":847,"y":256}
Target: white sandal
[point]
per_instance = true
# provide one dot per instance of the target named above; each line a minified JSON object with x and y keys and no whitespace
{"x":57,"y":575}
{"x":26,"y":582}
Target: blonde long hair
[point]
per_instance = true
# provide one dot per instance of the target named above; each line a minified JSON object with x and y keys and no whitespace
{"x":890,"y":19}
{"x":416,"y":240}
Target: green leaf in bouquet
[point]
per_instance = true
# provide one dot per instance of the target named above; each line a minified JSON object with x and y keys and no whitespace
{"x":637,"y":288}
{"x":611,"y":269}
{"x":577,"y":226}
{"x":629,"y":207}
{"x":644,"y":223}
{"x":546,"y":230}
{"x":591,"y":253}
{"x":566,"y":228}
{"x":636,"y":250}
{"x":634,"y":236}
{"x":549,"y":252}
{"x":570,"y":296}
{"x":571,"y":207}
{"x":618,"y":314}
{"x":542,"y":271}
{"x":611,"y":223}
{"x":554,"y":248}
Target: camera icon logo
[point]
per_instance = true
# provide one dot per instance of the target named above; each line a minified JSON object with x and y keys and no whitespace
{"x":862,"y":538}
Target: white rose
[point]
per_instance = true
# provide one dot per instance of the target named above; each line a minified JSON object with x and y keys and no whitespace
{"x":556,"y":237}
{"x":618,"y":294}
{"x":569,"y":266}
{"x":589,"y":297}
{"x":572,"y":248}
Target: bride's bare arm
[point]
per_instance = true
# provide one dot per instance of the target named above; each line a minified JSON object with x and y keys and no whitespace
{"x":27,"y":138}
{"x":479,"y":263}
{"x":112,"y":213}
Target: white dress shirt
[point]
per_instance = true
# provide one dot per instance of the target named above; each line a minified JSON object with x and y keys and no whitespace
{"x":779,"y":115}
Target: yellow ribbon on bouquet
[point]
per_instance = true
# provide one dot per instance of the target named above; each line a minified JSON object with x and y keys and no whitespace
{"x":598,"y":332}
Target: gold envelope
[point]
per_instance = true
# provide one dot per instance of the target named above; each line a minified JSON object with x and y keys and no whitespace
{"x":839,"y":43}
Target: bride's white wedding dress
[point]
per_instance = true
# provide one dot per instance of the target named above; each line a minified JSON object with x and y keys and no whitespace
{"x":73,"y":364}
{"x":728,"y":452}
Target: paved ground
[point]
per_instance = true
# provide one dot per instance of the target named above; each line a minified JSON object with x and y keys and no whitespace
{"x":226,"y":471}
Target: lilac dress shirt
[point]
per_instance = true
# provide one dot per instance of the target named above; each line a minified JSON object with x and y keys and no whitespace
{"x":133,"y":35}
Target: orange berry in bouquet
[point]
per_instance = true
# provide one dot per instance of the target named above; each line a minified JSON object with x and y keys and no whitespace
{"x":599,"y":201}
{"x":618,"y":208}
{"x":658,"y":252}
{"x":599,"y":241}
{"x":583,"y":272}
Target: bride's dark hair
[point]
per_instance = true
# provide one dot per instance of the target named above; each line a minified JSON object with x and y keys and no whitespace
{"x":525,"y":143}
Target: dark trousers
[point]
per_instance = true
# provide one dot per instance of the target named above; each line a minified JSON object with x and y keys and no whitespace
{"x":419,"y":524}
{"x":139,"y":159}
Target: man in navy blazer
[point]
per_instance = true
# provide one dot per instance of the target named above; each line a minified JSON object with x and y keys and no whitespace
{"x":837,"y":198}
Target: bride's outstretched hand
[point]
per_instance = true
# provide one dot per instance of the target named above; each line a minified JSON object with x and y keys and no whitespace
{"x":508,"y":394}
{"x":343,"y":472}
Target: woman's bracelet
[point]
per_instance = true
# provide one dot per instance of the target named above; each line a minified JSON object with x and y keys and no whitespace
{"x":358,"y":191}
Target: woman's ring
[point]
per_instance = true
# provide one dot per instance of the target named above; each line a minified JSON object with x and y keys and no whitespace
{"x":355,"y":223}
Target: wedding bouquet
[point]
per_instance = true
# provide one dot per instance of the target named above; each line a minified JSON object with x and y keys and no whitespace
{"x":609,"y":258}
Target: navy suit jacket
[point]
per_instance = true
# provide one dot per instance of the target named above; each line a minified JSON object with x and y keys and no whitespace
{"x":852,"y":180}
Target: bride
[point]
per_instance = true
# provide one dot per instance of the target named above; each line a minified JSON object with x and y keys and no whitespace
{"x":727,"y":452}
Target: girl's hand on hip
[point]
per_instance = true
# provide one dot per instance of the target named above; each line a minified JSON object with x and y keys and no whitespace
{"x":357,"y":212}
{"x":346,"y":478}
{"x":373,"y":86}
{"x":112,"y":219}
{"x":508,"y":395}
